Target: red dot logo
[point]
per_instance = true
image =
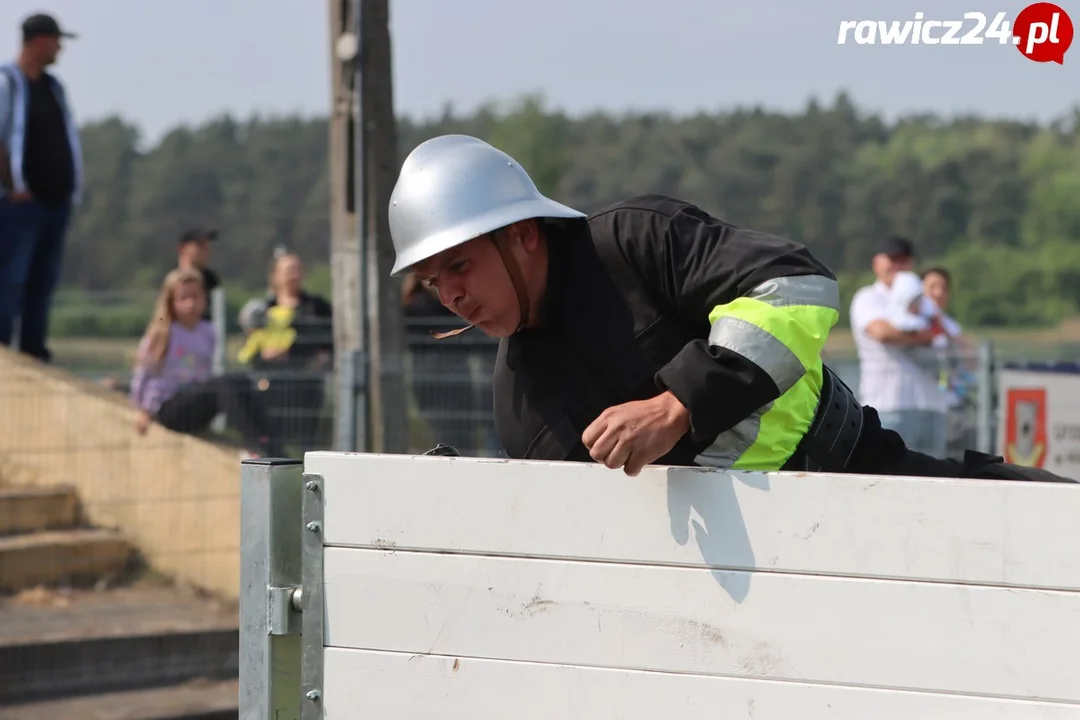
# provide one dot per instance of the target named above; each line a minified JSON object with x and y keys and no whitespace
{"x":1043,"y":32}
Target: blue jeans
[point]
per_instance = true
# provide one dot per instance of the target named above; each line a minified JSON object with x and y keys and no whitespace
{"x":31,"y":255}
{"x":923,"y":431}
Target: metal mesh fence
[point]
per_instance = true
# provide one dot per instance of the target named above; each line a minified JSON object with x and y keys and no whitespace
{"x":448,"y":388}
{"x":935,"y":397}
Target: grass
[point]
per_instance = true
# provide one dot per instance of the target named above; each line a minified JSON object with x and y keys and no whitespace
{"x":108,"y":355}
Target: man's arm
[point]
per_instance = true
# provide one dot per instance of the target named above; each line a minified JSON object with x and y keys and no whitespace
{"x":869,"y":315}
{"x":769,"y":303}
{"x":882,"y":331}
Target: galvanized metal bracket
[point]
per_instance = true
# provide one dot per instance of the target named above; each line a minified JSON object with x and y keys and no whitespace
{"x":312,"y":647}
{"x":283,"y":610}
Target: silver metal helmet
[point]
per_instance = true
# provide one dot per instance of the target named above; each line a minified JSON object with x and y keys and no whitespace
{"x":454,"y":188}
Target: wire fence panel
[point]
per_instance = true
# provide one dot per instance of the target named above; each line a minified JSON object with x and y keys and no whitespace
{"x":931,"y":396}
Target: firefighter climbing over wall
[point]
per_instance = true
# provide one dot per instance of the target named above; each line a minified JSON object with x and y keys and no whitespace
{"x":647,"y":333}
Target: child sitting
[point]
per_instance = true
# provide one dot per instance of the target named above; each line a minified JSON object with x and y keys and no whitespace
{"x":172,"y":381}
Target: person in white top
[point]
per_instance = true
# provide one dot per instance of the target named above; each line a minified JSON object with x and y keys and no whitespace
{"x":909,"y":310}
{"x":899,"y":373}
{"x":958,"y":357}
{"x":937,"y":287}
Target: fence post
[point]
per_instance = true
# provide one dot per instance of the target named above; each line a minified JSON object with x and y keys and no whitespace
{"x":271,"y":496}
{"x":217,"y":318}
{"x":351,"y":416}
{"x":984,"y":441}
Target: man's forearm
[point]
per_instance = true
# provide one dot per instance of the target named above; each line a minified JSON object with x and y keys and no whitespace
{"x":886,"y":333}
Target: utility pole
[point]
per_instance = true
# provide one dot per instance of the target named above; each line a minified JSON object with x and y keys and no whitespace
{"x":348,"y":296}
{"x":368,"y":313}
{"x":385,"y":321}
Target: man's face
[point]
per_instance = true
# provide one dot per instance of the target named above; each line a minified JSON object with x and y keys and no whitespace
{"x":196,"y":252}
{"x":45,"y":48}
{"x":886,"y":267}
{"x":472,"y":281}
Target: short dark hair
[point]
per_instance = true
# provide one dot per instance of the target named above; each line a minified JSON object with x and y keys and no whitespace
{"x":938,"y":271}
{"x":197,"y":234}
{"x":897,"y":246}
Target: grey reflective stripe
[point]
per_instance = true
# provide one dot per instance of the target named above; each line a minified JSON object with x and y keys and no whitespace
{"x":729,"y":445}
{"x":760,"y":348}
{"x":805,"y":290}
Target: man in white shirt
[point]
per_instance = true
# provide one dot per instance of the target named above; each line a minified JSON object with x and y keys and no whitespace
{"x":898,"y":370}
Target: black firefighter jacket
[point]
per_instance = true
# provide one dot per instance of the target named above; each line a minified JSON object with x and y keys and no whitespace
{"x":654,"y":294}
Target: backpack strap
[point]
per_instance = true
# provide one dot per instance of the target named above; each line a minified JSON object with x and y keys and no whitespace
{"x":7,"y":182}
{"x":5,"y":123}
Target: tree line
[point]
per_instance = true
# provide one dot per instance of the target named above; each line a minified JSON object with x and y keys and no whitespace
{"x":995,"y":201}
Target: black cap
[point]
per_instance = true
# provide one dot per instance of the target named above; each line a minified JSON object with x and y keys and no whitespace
{"x":43,"y":26}
{"x":897,"y":248}
{"x":195,"y":234}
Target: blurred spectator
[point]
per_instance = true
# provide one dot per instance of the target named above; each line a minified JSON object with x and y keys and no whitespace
{"x":897,"y":376}
{"x":907,"y":310}
{"x":958,"y":359}
{"x":441,"y":380}
{"x":937,"y":285}
{"x":172,"y":381}
{"x":193,"y":252}
{"x":40,"y":181}
{"x":290,"y":343}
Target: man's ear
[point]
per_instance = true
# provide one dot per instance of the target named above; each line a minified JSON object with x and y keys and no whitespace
{"x":528,"y":234}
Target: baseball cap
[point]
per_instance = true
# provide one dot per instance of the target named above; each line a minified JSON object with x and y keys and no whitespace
{"x":195,"y":234}
{"x":42,"y":25}
{"x":897,"y":247}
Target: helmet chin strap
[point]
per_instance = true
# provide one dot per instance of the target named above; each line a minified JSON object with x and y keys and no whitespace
{"x":516,"y":279}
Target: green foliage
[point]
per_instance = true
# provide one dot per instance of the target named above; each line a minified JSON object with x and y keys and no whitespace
{"x":995,"y":201}
{"x":77,"y":314}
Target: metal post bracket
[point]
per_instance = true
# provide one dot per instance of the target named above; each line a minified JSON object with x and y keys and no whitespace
{"x":283,"y":616}
{"x":311,"y":599}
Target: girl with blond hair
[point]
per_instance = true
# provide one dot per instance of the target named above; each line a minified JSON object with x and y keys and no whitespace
{"x":173,"y":383}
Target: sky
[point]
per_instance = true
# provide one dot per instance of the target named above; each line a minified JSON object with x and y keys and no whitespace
{"x":159,"y":64}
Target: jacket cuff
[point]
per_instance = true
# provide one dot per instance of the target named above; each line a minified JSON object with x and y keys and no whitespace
{"x":719,"y":387}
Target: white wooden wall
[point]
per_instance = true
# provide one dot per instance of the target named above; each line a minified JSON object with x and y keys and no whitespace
{"x":479,"y":589}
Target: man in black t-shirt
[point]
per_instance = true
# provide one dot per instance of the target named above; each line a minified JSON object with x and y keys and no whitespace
{"x":40,"y":182}
{"x":193,"y":252}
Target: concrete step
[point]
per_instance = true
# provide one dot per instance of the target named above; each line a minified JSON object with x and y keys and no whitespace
{"x":56,"y":645}
{"x":60,"y":556}
{"x":200,"y":700}
{"x":29,"y":509}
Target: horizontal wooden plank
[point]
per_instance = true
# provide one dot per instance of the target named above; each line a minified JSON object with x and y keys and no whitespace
{"x":977,"y":531}
{"x":361,"y":684}
{"x":902,"y":635}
